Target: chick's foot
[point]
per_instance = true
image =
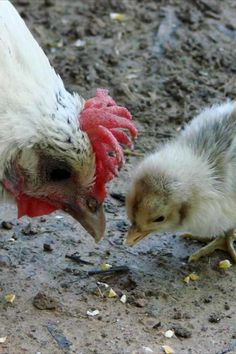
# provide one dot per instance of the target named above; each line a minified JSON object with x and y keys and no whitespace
{"x":224,"y":242}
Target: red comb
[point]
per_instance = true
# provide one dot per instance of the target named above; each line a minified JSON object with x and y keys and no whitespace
{"x":106,"y":125}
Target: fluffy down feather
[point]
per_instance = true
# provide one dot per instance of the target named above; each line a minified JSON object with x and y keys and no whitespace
{"x":189,"y":184}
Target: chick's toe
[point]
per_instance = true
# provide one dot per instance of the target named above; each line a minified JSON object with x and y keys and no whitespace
{"x":224,"y":242}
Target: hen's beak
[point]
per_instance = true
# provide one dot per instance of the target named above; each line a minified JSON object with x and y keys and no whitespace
{"x":134,"y":236}
{"x":94,"y":222}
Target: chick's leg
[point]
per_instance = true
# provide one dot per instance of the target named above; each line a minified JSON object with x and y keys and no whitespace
{"x":225,"y":243}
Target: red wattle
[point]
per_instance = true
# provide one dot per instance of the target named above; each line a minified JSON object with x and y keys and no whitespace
{"x":33,"y":207}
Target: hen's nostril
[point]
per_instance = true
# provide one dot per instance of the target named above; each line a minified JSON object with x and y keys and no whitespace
{"x":92,"y":205}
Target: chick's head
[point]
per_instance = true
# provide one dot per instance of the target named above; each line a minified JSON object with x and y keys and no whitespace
{"x":155,"y":203}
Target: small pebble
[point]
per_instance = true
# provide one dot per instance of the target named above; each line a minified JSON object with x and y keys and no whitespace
{"x":214,"y":318}
{"x":118,"y":196}
{"x":140,"y":302}
{"x":227,"y":307}
{"x":5,"y":261}
{"x":182,"y":332}
{"x":151,"y":323}
{"x":15,"y":237}
{"x":7,"y":225}
{"x":207,"y":299}
{"x":47,"y":247}
{"x":122,"y":226}
{"x":43,"y":301}
{"x":29,"y":230}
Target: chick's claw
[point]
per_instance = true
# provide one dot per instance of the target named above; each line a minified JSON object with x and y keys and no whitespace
{"x":224,"y":243}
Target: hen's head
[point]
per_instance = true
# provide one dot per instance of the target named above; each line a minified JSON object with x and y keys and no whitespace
{"x":67,"y":162}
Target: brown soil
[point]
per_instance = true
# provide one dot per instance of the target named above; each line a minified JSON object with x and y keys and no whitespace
{"x":167,"y":60}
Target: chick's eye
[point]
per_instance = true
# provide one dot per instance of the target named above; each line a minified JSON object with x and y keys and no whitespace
{"x":59,"y":174}
{"x":160,"y":219}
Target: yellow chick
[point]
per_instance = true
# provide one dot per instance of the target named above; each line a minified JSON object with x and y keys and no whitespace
{"x":189,"y":184}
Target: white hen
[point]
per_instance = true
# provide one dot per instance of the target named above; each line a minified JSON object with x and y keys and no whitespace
{"x":57,"y":152}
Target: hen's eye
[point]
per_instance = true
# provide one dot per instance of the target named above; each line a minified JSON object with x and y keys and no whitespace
{"x":59,"y":174}
{"x":160,"y":219}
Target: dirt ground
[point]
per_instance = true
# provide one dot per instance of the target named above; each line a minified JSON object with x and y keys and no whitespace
{"x":166,"y":60}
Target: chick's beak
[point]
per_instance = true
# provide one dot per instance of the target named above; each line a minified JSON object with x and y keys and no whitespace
{"x":93,"y":221}
{"x":135,"y":235}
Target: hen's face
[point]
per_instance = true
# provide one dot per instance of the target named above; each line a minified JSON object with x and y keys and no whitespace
{"x":151,"y":207}
{"x":42,"y":181}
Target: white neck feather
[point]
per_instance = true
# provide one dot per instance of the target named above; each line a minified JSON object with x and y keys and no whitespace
{"x":34,"y":104}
